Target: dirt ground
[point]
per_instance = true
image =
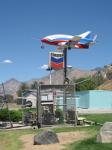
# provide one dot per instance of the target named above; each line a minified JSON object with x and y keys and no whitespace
{"x":64,"y":138}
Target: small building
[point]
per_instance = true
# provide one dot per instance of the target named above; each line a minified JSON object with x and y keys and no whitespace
{"x":94,"y":99}
{"x":30,"y":96}
{"x":47,"y":99}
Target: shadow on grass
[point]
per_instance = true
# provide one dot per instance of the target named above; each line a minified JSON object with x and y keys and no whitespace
{"x":89,"y":144}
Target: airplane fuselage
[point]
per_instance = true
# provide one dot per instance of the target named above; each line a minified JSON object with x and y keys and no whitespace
{"x":56,"y":39}
{"x":69,"y":41}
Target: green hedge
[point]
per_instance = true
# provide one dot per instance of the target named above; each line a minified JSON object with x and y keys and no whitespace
{"x":16,"y":115}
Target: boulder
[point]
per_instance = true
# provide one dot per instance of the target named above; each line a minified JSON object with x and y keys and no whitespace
{"x":105,"y":134}
{"x":46,"y":137}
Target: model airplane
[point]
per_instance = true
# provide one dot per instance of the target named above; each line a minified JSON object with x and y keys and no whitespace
{"x":84,"y":40}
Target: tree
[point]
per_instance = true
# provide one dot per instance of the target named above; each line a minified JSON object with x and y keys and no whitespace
{"x":22,"y":88}
{"x":10,"y":98}
{"x":20,"y":92}
{"x":85,"y":84}
{"x":34,"y":85}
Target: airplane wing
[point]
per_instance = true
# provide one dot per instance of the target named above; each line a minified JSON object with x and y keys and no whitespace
{"x":81,"y":36}
{"x":69,"y":43}
{"x":75,"y":38}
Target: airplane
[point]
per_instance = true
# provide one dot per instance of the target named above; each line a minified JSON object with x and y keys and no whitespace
{"x":81,"y":41}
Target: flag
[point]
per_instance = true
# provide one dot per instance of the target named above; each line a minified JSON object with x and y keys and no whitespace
{"x":56,"y":60}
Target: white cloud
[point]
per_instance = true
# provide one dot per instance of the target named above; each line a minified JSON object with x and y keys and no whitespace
{"x":44,"y":66}
{"x":69,"y":66}
{"x":7,"y":61}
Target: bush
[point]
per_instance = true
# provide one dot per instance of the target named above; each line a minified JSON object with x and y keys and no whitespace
{"x":4,"y":115}
{"x":16,"y":115}
{"x":58,"y":113}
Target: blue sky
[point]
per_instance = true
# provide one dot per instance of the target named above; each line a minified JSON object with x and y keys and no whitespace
{"x":20,"y":20}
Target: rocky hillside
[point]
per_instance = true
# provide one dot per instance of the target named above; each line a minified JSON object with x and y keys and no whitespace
{"x":106,"y":73}
{"x":11,"y":86}
{"x":57,"y":76}
{"x":107,"y":85}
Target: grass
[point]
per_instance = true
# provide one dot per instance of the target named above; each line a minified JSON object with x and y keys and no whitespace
{"x":9,"y":140}
{"x":89,"y":144}
{"x":99,"y":118}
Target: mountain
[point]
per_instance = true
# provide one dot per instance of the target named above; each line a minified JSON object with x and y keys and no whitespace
{"x":57,"y":76}
{"x":12,"y":86}
{"x":107,"y":85}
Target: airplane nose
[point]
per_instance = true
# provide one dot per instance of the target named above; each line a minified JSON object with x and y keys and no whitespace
{"x":43,"y":40}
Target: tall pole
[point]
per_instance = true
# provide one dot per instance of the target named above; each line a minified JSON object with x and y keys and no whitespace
{"x":38,"y":106}
{"x":65,"y":63}
{"x":50,"y":77}
{"x":65,"y":77}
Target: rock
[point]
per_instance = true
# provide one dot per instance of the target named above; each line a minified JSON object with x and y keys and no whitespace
{"x":105,"y":135}
{"x":46,"y":137}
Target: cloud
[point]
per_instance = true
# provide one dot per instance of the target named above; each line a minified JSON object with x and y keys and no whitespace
{"x":69,"y":66}
{"x":7,"y":61}
{"x":44,"y":66}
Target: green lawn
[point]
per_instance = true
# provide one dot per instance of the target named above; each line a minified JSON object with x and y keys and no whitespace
{"x":99,"y":118}
{"x":9,"y":140}
{"x":88,"y":144}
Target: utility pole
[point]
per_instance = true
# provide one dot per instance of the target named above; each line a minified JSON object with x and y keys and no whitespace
{"x":65,"y":82}
{"x":76,"y":117}
{"x":38,"y":107}
{"x":65,"y":63}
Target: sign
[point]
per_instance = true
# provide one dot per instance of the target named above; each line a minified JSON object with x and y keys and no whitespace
{"x":56,"y":60}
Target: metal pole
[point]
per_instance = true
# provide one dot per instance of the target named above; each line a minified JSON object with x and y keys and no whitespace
{"x":38,"y":106}
{"x":65,"y":63}
{"x":64,"y":104}
{"x":50,"y":77}
{"x":65,"y":76}
{"x":75,"y":106}
{"x":22,"y":108}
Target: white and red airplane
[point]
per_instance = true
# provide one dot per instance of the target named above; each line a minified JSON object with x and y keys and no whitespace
{"x":84,"y":40}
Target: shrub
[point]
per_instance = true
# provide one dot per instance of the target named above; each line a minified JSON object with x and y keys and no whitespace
{"x":4,"y":116}
{"x":58,"y":113}
{"x":16,"y":115}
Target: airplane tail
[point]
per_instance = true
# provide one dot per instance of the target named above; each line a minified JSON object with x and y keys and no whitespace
{"x":93,"y":40}
{"x":85,"y":34}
